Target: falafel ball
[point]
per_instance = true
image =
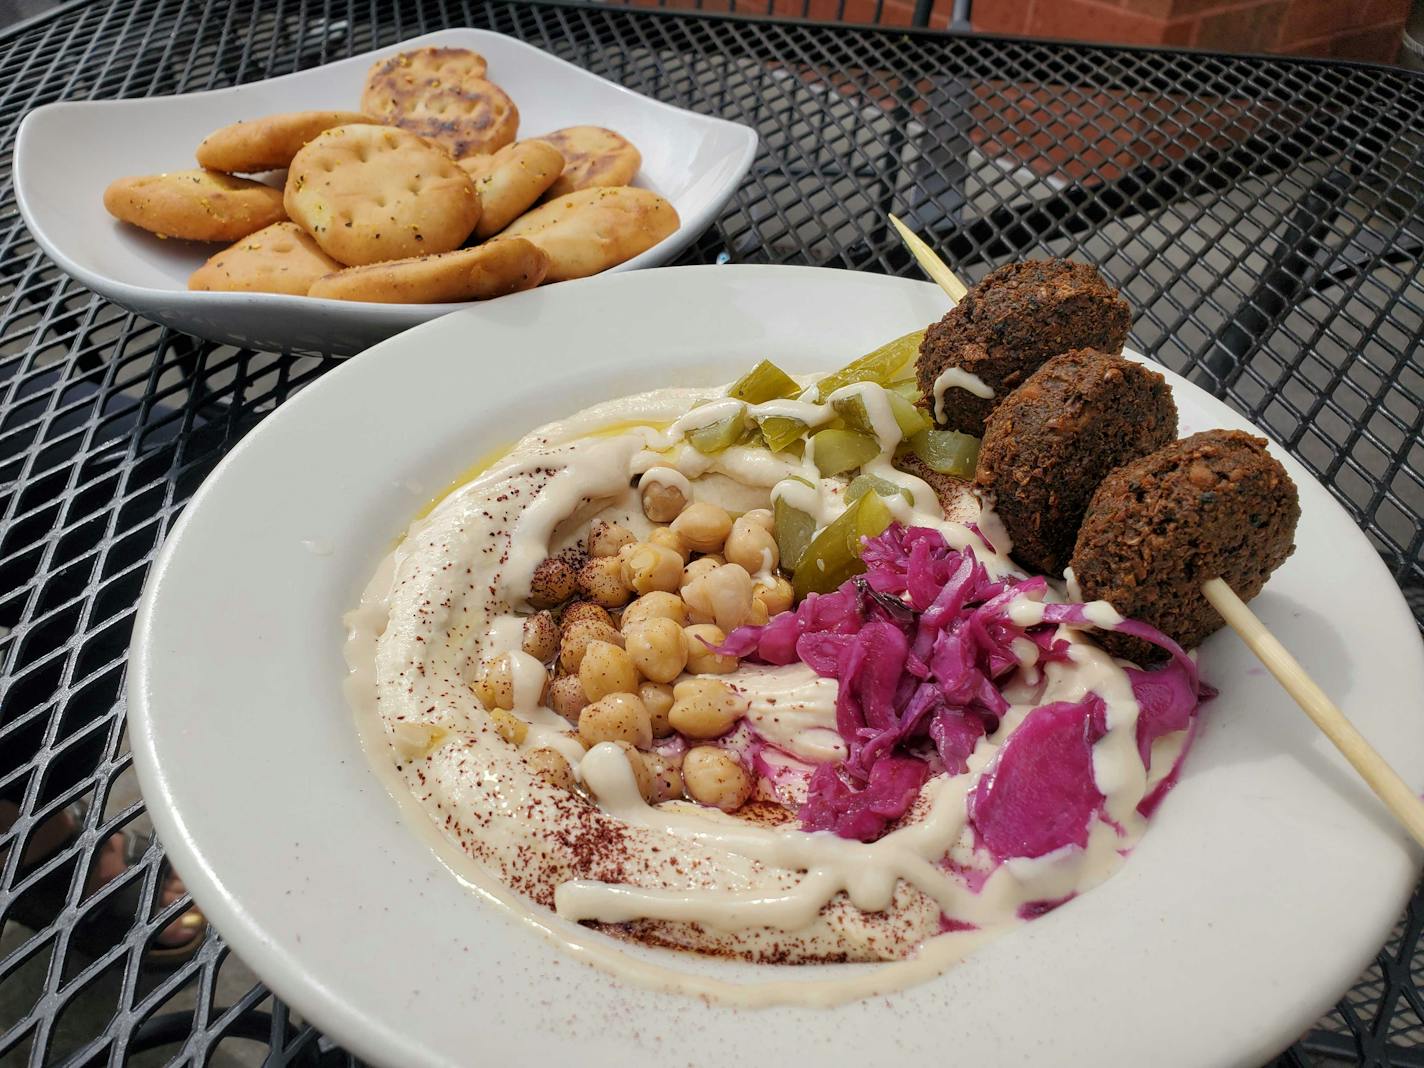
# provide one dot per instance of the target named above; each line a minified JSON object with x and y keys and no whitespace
{"x":1015,"y":318}
{"x":1214,"y":505}
{"x":1054,"y":438}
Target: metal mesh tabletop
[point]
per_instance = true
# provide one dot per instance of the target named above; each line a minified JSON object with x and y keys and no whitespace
{"x":1262,"y":217}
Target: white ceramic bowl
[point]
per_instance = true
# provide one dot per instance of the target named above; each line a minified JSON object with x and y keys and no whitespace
{"x":67,"y":153}
{"x":1267,"y":881}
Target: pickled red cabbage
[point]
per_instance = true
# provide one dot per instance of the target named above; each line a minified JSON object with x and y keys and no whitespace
{"x":922,"y":644}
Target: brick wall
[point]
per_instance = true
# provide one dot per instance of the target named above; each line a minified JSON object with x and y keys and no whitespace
{"x":1344,"y":29}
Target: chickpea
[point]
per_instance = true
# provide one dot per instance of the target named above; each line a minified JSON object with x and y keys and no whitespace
{"x":541,"y":636}
{"x":601,"y":581}
{"x":658,"y":649}
{"x":713,"y":777}
{"x":731,"y":596}
{"x":775,"y":598}
{"x":757,"y":616}
{"x":657,"y":699}
{"x":550,"y":765}
{"x":494,"y":683}
{"x":724,"y":594}
{"x":577,"y":637}
{"x":566,"y":697}
{"x":606,"y":669}
{"x":705,"y":708}
{"x":752,"y":546}
{"x":605,"y":539}
{"x":703,"y":527}
{"x":701,"y":611}
{"x":554,"y":582}
{"x":648,"y":568}
{"x":666,"y":778}
{"x":703,"y":565}
{"x":615,"y":717}
{"x":662,"y":503}
{"x":700,"y":659}
{"x":642,"y":774}
{"x":668,"y":539}
{"x":655,"y":605}
{"x":763,"y":518}
{"x":582,"y":610}
{"x":509,"y":726}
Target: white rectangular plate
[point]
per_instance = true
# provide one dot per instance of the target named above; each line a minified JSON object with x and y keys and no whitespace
{"x":67,"y":153}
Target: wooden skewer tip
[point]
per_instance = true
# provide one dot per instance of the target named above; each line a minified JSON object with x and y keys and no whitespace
{"x":930,"y":262}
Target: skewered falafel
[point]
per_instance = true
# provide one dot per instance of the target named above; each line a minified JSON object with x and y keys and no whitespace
{"x":1015,"y":318}
{"x":1054,"y":438}
{"x":1214,"y":505}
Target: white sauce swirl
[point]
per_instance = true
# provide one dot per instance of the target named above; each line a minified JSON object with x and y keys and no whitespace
{"x":958,"y":378}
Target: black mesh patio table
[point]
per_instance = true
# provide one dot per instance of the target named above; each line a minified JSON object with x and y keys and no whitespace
{"x":1261,"y":215}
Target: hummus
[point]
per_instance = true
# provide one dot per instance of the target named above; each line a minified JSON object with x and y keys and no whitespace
{"x":678,"y":874}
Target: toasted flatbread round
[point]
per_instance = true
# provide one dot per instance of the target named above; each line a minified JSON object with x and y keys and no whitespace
{"x":371,"y":193}
{"x":196,"y":204}
{"x":475,"y":118}
{"x":268,"y":143}
{"x":595,"y":229}
{"x":281,"y":258}
{"x":593,"y":156}
{"x":510,"y":181}
{"x":505,"y":265}
{"x":396,"y":80}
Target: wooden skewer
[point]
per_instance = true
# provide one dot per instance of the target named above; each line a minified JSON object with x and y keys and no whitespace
{"x":929,"y":262}
{"x":1323,"y":712}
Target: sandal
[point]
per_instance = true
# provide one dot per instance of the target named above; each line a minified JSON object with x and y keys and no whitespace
{"x":110,"y":922}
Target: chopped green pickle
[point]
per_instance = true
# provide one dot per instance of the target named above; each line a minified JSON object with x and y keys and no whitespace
{"x":834,"y":555}
{"x":908,"y":415}
{"x":793,"y":530}
{"x":763,"y":383}
{"x":782,"y":432}
{"x":853,"y":414}
{"x":907,"y":388}
{"x":751,"y":435}
{"x":863,"y":484}
{"x":880,"y":366}
{"x":714,"y":437}
{"x":837,"y":451}
{"x":908,"y":418}
{"x":947,"y":451}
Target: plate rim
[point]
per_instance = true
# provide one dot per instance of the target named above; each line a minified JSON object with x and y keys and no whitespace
{"x":287,"y":977}
{"x":128,"y":295}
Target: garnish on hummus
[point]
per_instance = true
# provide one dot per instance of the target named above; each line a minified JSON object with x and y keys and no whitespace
{"x":751,"y":672}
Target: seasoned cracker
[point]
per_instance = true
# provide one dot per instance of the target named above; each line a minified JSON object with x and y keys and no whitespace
{"x":510,"y":181}
{"x":593,"y":157}
{"x":393,"y":81}
{"x":281,"y":258}
{"x":268,"y":143}
{"x":442,"y":95}
{"x":197,"y":205}
{"x":472,"y":120}
{"x":372,"y":193}
{"x":594,"y":229}
{"x":505,"y":265}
